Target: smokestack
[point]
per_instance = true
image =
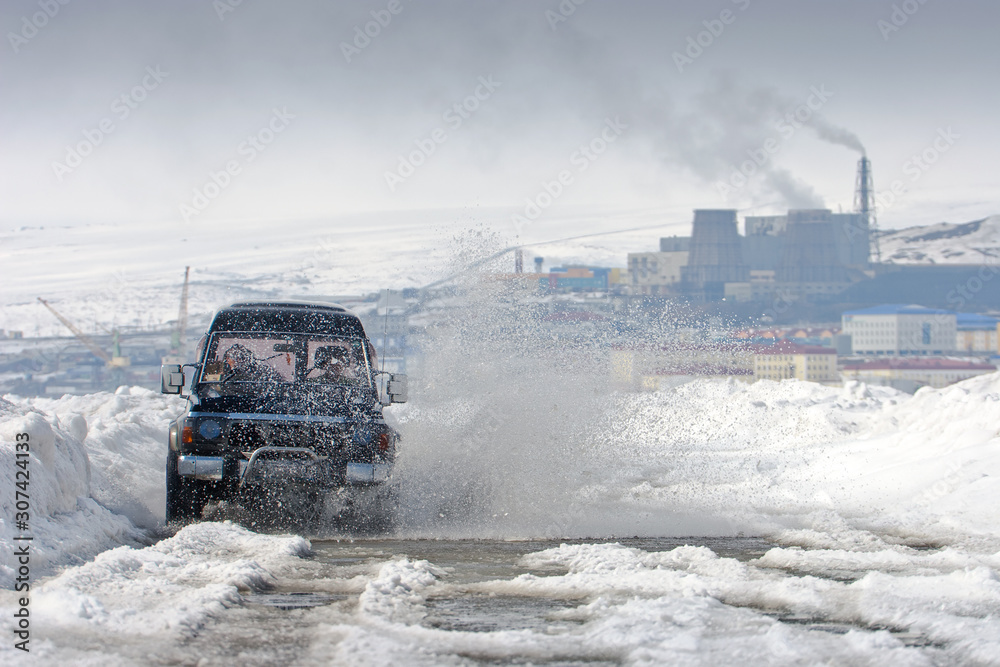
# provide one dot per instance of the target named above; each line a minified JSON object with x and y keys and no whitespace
{"x":518,"y":261}
{"x":864,"y":203}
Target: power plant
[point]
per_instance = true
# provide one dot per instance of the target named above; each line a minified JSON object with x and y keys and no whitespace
{"x":804,"y":255}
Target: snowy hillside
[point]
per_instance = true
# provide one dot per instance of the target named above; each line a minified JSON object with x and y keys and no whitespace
{"x":975,"y":242}
{"x":106,"y":275}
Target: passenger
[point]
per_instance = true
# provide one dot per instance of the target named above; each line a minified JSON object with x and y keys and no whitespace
{"x":332,"y":363}
{"x":241,"y":366}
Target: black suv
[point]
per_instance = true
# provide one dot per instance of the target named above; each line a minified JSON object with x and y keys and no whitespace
{"x":284,"y":402}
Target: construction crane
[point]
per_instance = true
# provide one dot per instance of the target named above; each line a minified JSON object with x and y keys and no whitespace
{"x":117,"y":360}
{"x":177,"y":339}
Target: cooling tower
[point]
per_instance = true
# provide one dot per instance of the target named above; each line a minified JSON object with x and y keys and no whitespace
{"x":811,"y":250}
{"x":716,"y":256}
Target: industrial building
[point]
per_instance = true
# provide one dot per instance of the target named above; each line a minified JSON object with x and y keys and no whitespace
{"x":805,"y":254}
{"x":809,"y":255}
{"x":900,"y":330}
{"x":715,"y":257}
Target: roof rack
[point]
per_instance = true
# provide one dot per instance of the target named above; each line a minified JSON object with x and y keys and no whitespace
{"x":297,"y":305}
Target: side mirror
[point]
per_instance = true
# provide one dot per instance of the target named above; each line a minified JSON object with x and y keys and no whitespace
{"x":171,"y":379}
{"x":396,"y":388}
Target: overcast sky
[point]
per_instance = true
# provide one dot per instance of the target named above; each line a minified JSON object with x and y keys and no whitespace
{"x":123,"y":111}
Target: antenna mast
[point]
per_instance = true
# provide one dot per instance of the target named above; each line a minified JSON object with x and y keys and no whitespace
{"x":864,"y":204}
{"x":182,"y":317}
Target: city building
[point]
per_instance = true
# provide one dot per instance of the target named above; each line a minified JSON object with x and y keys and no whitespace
{"x":580,"y":279}
{"x":647,"y":367}
{"x":910,"y":374}
{"x":655,"y":272}
{"x":900,"y":330}
{"x":976,"y":334}
{"x":786,"y":360}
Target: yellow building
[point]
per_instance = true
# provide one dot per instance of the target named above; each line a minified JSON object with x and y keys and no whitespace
{"x":645,"y":367}
{"x":976,"y":334}
{"x":785,"y":360}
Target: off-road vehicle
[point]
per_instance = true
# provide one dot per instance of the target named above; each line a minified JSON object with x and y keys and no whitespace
{"x":284,"y":414}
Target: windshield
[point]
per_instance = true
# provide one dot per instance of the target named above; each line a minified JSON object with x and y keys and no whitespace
{"x":234,"y":357}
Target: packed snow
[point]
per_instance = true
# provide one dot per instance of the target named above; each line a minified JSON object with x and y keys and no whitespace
{"x":881,"y":507}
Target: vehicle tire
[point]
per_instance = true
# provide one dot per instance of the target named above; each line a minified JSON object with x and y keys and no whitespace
{"x":186,"y":498}
{"x":375,"y":510}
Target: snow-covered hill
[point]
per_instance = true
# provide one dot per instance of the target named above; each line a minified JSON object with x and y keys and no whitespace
{"x":975,"y":242}
{"x":108,"y":275}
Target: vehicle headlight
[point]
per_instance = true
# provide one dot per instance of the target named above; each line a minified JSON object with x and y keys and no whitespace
{"x":210,"y":429}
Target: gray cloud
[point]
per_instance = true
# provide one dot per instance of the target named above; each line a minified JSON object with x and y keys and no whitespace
{"x":354,"y":118}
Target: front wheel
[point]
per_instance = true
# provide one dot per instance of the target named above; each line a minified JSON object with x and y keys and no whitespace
{"x":186,"y":498}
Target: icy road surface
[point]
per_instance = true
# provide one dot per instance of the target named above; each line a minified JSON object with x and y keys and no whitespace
{"x":215,"y":594}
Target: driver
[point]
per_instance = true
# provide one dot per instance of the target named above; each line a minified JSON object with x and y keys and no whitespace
{"x":241,"y":366}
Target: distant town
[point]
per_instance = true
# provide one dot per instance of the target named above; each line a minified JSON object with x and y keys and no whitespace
{"x":797,"y":296}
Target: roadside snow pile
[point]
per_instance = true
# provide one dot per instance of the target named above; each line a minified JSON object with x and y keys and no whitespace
{"x":169,"y":589}
{"x":94,"y":472}
{"x":816,"y":464}
{"x":66,"y":525}
{"x":810,"y":464}
{"x":126,"y":441}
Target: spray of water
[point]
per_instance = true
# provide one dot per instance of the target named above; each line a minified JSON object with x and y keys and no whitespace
{"x":514,"y":429}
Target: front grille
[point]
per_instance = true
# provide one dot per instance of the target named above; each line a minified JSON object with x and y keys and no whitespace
{"x":325,"y":439}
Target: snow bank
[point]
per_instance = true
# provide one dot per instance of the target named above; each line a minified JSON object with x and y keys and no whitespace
{"x":804,"y":463}
{"x":66,"y":524}
{"x":168,"y":590}
{"x":126,"y":442}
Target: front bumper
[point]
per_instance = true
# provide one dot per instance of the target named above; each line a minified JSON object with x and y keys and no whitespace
{"x":212,"y":467}
{"x":200,"y":467}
